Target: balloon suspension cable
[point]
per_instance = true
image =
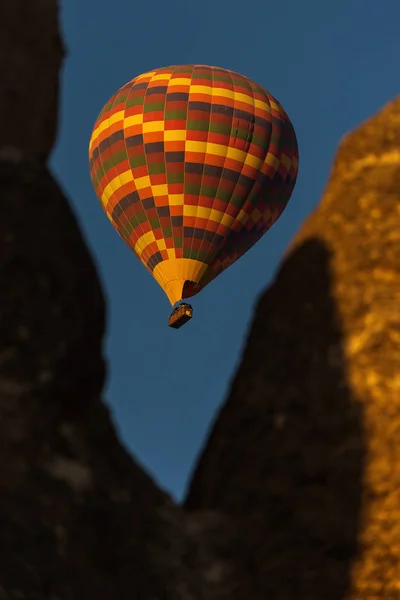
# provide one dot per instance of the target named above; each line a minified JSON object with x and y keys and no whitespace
{"x":181,"y":314}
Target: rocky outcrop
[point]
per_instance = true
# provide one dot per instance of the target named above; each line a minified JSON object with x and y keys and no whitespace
{"x":296,"y":494}
{"x":305,"y":453}
{"x":31,"y":53}
{"x":78,"y":518}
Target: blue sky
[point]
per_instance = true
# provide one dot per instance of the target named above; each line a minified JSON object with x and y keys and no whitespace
{"x":331,"y":65}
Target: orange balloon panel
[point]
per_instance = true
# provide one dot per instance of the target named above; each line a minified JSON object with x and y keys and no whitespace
{"x":192,"y":165}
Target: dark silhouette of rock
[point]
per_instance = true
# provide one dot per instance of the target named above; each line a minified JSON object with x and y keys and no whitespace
{"x":297,"y":493}
{"x":31,"y":53}
{"x":305,"y":453}
{"x":79,"y":519}
{"x":68,"y":489}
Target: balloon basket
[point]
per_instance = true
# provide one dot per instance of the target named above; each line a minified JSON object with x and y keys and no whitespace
{"x":180,"y":315}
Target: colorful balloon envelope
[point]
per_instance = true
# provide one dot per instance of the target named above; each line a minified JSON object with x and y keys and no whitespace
{"x":192,"y":165}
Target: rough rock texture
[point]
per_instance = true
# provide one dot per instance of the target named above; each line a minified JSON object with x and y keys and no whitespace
{"x":297,"y":493}
{"x":305,"y":454}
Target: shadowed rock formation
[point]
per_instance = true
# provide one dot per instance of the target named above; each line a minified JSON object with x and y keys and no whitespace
{"x":286,"y":456}
{"x":296,"y":495}
{"x":78,"y":518}
{"x":305,"y":453}
{"x":31,"y":52}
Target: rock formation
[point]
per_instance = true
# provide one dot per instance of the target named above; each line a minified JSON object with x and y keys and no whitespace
{"x":31,"y":51}
{"x":297,"y":493}
{"x":305,"y":455}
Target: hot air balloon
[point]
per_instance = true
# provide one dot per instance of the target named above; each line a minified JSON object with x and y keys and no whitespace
{"x":192,"y":165}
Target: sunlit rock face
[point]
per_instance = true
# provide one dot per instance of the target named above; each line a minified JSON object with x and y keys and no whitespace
{"x":305,"y":453}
